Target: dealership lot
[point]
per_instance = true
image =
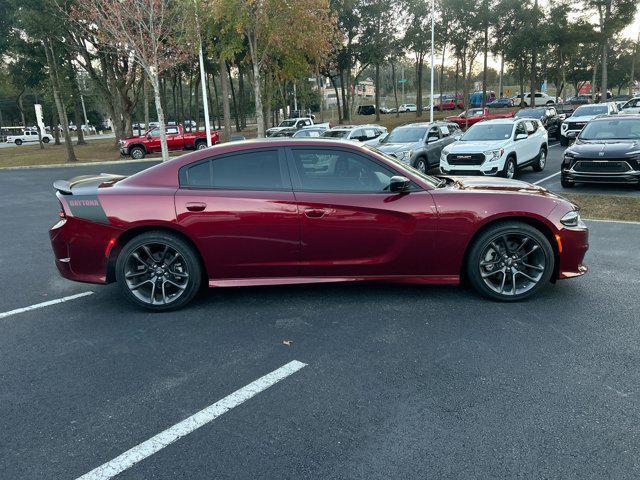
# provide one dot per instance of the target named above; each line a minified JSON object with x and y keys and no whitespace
{"x":399,"y":382}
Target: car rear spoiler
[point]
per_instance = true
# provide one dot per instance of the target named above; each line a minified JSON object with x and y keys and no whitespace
{"x":85,"y":184}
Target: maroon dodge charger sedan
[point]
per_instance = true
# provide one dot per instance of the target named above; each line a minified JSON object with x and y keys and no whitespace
{"x":290,"y":211}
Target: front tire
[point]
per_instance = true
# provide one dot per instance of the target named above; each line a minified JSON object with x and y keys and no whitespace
{"x":421,"y":165}
{"x":510,"y":261}
{"x":18,"y":142}
{"x":201,"y":145}
{"x":45,"y":140}
{"x":137,"y":153}
{"x":540,"y":163}
{"x":158,"y":271}
{"x":510,"y":168}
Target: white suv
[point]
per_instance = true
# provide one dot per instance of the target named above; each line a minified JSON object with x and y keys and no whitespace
{"x":573,"y":125}
{"x":497,"y":147}
{"x":408,"y":107}
{"x":28,"y":136}
{"x":542,"y":99}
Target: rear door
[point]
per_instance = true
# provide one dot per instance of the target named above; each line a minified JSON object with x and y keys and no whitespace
{"x":351,"y":225}
{"x":241,"y":211}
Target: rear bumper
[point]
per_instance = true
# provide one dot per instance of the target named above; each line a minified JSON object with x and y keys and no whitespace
{"x":82,"y":249}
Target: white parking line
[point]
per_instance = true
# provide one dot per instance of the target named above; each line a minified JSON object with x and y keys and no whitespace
{"x":188,"y":425}
{"x":44,"y":304}
{"x":546,"y":178}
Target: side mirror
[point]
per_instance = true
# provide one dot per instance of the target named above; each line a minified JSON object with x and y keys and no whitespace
{"x":149,"y":137}
{"x":521,"y":136}
{"x":432,"y":139}
{"x":399,"y":183}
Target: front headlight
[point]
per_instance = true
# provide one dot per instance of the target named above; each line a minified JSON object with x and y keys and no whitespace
{"x":571,"y":219}
{"x":564,"y":126}
{"x":493,"y":155}
{"x":405,"y":156}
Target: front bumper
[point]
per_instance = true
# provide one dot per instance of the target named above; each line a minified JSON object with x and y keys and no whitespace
{"x":487,"y":168}
{"x":630,"y":177}
{"x":572,"y":244}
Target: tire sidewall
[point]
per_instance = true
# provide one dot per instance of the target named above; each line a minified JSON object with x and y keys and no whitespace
{"x":506,"y":167}
{"x":479,"y":244}
{"x":424,"y":162}
{"x":45,"y":139}
{"x":137,"y":149}
{"x":18,"y":142}
{"x":538,"y":166}
{"x":190,"y":256}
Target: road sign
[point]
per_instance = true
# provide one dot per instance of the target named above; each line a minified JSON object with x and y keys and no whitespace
{"x":507,"y":91}
{"x":402,"y":80}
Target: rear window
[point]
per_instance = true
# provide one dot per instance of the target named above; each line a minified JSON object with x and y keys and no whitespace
{"x":257,"y":170}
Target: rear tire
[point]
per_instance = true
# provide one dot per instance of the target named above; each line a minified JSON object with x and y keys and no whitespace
{"x":158,"y":271}
{"x":540,"y":163}
{"x":45,"y":140}
{"x":18,"y":142}
{"x":510,"y":261}
{"x":137,"y":153}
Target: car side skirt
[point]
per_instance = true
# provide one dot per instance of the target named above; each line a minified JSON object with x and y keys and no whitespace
{"x":423,"y":280}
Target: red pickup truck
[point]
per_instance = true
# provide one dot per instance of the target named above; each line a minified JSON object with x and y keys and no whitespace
{"x":475,"y":115}
{"x":177,"y":139}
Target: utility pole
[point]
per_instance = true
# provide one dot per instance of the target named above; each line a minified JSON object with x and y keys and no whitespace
{"x":205,"y":104}
{"x":433,"y":35}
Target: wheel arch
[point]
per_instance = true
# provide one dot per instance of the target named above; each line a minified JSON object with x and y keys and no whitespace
{"x":141,"y":145}
{"x":133,"y":232}
{"x":536,"y":223}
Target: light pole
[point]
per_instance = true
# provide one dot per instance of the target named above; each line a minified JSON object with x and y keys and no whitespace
{"x":433,"y":24}
{"x":205,"y":103}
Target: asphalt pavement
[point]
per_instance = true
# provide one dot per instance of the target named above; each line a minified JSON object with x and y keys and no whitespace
{"x":400,"y":381}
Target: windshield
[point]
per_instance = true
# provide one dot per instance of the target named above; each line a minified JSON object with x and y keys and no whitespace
{"x":488,"y":131}
{"x":531,"y":113}
{"x":434,"y":182}
{"x":287,"y":123}
{"x":586,"y":110}
{"x":618,"y":129}
{"x":405,"y":135}
{"x":336,"y":133}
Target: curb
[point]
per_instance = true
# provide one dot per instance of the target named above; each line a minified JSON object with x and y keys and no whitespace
{"x":84,"y":164}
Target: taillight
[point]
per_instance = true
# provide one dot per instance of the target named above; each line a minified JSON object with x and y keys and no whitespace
{"x":61,"y":213}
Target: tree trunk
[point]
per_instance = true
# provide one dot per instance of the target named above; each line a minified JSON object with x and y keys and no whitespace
{"x":419,"y":70}
{"x":345,"y":101}
{"x":486,"y":54}
{"x":145,"y":94}
{"x":500,"y":87}
{"x":241,"y":99}
{"x":335,"y":89}
{"x":233,"y":98}
{"x":155,"y":84}
{"x":256,"y":80}
{"x":196,"y":102}
{"x":395,"y":86}
{"x":633,"y":66}
{"x":377,"y":107}
{"x":21,"y":108}
{"x":593,"y":81}
{"x":604,"y":80}
{"x":224,"y":87}
{"x":455,"y":83}
{"x":62,"y":112}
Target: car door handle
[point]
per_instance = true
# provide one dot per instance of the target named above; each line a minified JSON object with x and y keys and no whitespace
{"x":314,"y":212}
{"x":196,"y":206}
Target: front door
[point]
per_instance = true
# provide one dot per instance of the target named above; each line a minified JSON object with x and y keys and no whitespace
{"x":241,"y":211}
{"x":351,"y":225}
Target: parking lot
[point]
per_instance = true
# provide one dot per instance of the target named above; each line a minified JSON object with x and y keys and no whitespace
{"x":397,"y":382}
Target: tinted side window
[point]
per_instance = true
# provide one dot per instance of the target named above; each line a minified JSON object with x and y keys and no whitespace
{"x":339,"y":171}
{"x":520,"y":128}
{"x":259,"y":170}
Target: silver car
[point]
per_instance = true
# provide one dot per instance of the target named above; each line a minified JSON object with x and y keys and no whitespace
{"x":420,"y":144}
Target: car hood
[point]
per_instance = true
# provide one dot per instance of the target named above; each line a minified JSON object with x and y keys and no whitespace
{"x":605,"y":148}
{"x":397,"y":147}
{"x":137,"y":138}
{"x":499,"y":184}
{"x":582,"y":118}
{"x":476,"y":146}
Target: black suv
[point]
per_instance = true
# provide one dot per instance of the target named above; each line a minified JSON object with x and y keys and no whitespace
{"x":549,"y":116}
{"x":606,"y":151}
